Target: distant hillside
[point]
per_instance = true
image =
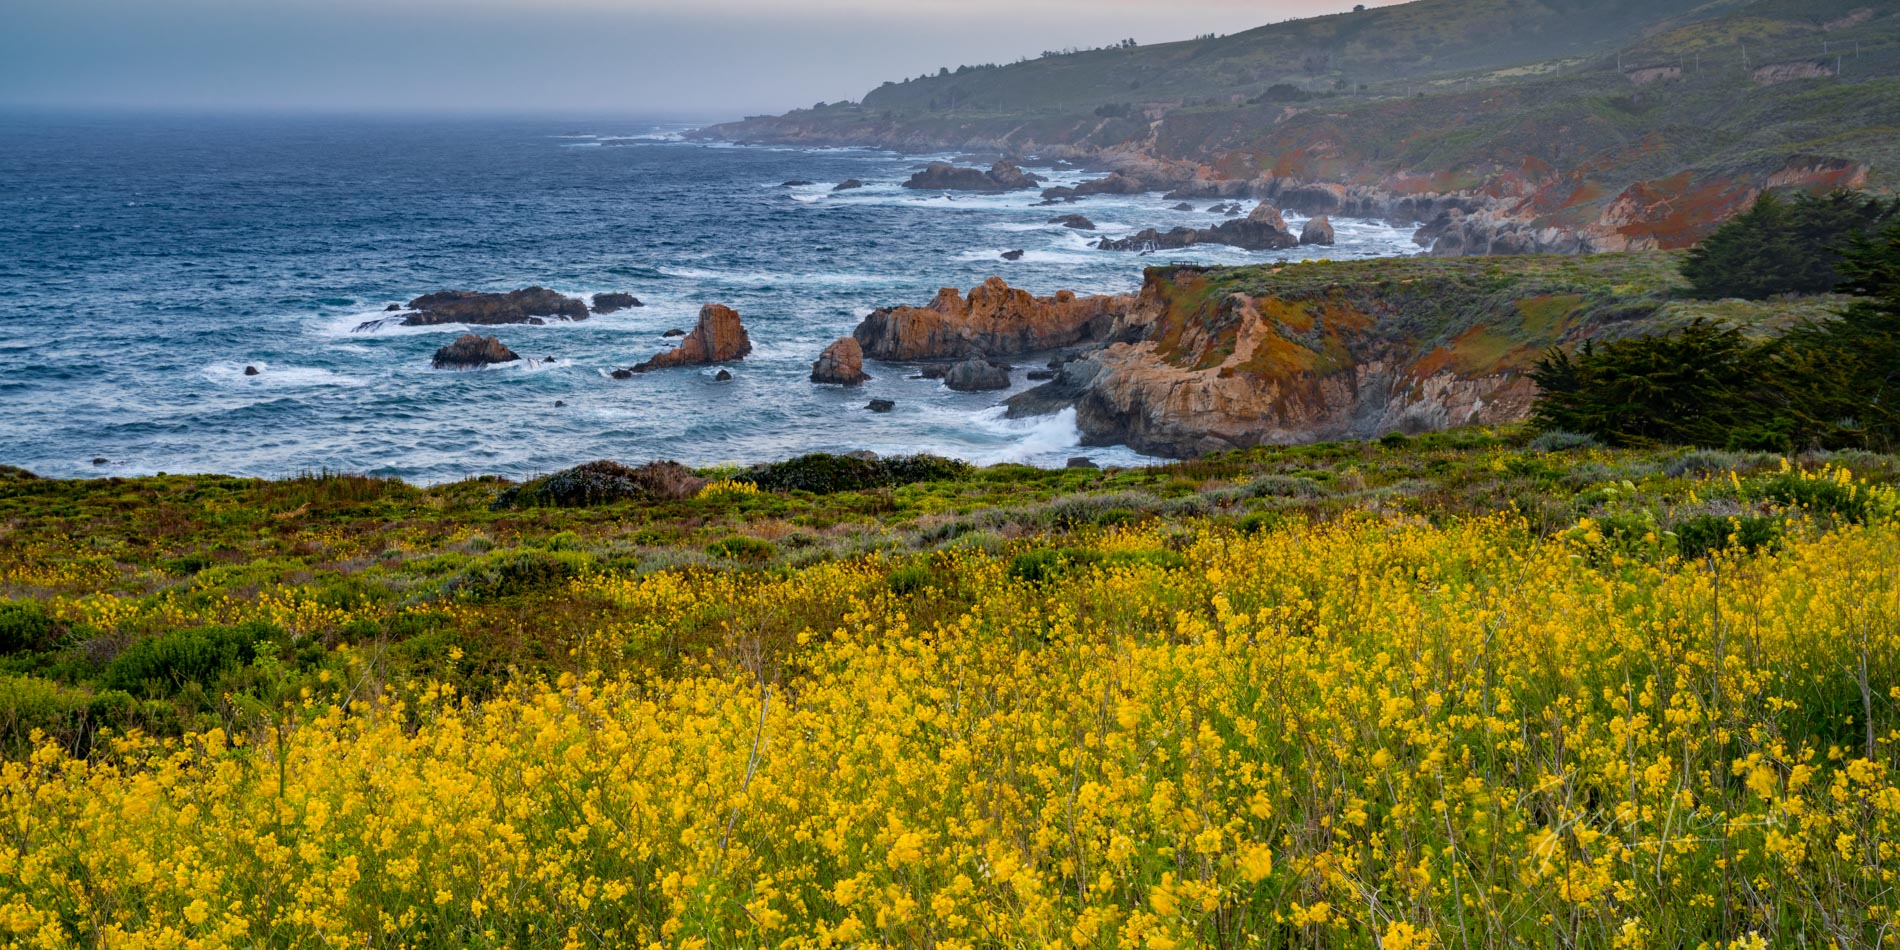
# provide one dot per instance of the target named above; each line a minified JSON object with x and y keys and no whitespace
{"x":1502,"y":125}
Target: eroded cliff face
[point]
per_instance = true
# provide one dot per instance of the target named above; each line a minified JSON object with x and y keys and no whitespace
{"x":994,"y":320}
{"x":1232,"y":363}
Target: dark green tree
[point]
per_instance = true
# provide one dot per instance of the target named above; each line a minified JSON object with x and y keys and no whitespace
{"x":1701,"y":386}
{"x":1782,"y":246}
{"x":1842,"y":376}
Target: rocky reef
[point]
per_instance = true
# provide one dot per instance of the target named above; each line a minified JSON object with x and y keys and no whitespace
{"x":533,"y":305}
{"x":1263,"y":230}
{"x":994,"y":320}
{"x":615,"y":302}
{"x":943,"y":176}
{"x":469,"y":351}
{"x":718,"y":338}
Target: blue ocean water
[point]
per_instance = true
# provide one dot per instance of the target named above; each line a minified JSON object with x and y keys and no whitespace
{"x":146,"y":261}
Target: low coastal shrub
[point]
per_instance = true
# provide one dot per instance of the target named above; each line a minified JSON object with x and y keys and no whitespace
{"x":825,"y":474}
{"x":742,"y":548}
{"x":605,"y":483}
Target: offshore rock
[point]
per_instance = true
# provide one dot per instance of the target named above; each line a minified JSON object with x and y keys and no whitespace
{"x":616,"y":302}
{"x":470,"y":351}
{"x":848,"y":184}
{"x":994,"y":320}
{"x":718,"y":338}
{"x":1263,"y":230}
{"x":943,"y":176}
{"x":971,"y":376}
{"x":533,"y":305}
{"x":1318,"y":231}
{"x":1075,"y":221}
{"x":841,"y":364}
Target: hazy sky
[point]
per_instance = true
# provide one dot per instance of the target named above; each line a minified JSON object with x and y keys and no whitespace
{"x":697,"y":58}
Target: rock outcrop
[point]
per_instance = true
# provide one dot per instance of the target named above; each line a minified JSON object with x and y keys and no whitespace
{"x":532,"y":305}
{"x":718,"y":338}
{"x":841,"y":364}
{"x":974,"y":376}
{"x":470,"y":351}
{"x":943,"y":176}
{"x":1119,"y":183}
{"x":1317,"y":230}
{"x":1076,"y":221}
{"x":1015,"y":255}
{"x":1263,"y":230}
{"x":1232,"y":358}
{"x":615,"y":302}
{"x":995,"y":320}
{"x":849,"y":184}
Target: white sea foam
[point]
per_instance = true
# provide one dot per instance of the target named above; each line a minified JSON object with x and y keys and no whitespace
{"x":226,"y":373}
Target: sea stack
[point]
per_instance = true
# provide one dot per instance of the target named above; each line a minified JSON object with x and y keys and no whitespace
{"x":841,"y":364}
{"x":719,"y":338}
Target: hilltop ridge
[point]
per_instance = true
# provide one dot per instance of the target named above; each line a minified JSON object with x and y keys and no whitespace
{"x":1501,"y":126}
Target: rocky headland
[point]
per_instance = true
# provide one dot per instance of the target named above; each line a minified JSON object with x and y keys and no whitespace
{"x":1238,"y":357}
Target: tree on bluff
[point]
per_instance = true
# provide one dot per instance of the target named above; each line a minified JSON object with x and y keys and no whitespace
{"x":1832,"y":383}
{"x":1784,"y":247}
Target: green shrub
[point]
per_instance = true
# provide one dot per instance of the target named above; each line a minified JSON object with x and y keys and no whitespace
{"x":910,"y":579}
{"x":1260,"y":522}
{"x":604,"y":483}
{"x":519,"y":570}
{"x":29,"y":703}
{"x":162,"y":666}
{"x":1821,"y":496}
{"x":1047,"y":564}
{"x":824,"y":474}
{"x":25,"y":626}
{"x":742,"y":548}
{"x":1699,"y":536}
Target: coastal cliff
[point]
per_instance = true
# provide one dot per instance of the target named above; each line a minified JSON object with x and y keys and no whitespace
{"x":1284,"y":354}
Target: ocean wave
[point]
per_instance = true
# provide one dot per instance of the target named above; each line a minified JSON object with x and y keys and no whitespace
{"x":228,"y":373}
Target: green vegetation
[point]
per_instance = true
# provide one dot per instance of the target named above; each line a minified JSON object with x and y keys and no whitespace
{"x":151,"y":602}
{"x":1785,"y":247}
{"x":1824,"y":383}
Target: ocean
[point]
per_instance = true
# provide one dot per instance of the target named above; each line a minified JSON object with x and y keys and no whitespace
{"x":146,"y":261}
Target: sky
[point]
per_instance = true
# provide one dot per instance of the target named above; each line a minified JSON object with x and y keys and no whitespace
{"x":699,"y":59}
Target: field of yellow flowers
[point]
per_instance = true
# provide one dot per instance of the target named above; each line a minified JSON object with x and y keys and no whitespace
{"x":1371,"y":729}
